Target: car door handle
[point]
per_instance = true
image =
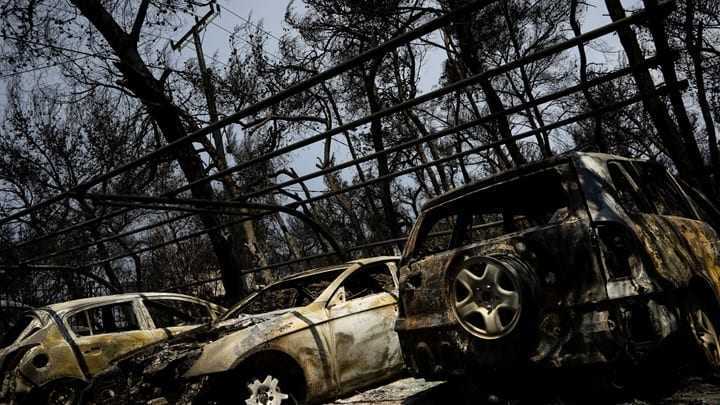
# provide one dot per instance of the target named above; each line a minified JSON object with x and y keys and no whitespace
{"x":92,"y":350}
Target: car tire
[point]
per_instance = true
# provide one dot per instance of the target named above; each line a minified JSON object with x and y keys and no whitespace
{"x":704,"y":336}
{"x":62,"y":392}
{"x":493,"y":298}
{"x":106,"y":391}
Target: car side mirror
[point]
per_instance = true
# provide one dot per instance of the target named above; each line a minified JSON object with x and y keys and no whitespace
{"x":338,"y":298}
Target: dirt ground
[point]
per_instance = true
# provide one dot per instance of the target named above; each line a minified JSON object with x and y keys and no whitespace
{"x":409,"y":391}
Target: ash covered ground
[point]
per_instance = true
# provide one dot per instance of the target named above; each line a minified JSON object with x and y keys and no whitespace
{"x":410,"y":391}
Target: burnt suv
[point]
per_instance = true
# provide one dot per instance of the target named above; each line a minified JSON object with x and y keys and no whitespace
{"x":581,"y":260}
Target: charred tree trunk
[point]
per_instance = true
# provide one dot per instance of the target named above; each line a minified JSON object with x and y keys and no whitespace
{"x":598,"y":139}
{"x":694,"y":38}
{"x":683,"y":151}
{"x":454,"y":68}
{"x":376,"y":134}
{"x":534,"y":115}
{"x":423,"y":158}
{"x":333,"y":183}
{"x":139,"y":80}
{"x":499,"y":152}
{"x":351,"y":147}
{"x":459,"y":141}
{"x":112,"y":278}
{"x":462,"y":30}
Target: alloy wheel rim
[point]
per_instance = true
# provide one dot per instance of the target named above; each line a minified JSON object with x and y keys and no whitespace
{"x":486,"y":298}
{"x":266,"y":392}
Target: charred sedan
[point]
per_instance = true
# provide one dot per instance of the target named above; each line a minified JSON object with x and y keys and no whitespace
{"x":582,"y":260}
{"x":320,"y":334}
{"x":55,"y":350}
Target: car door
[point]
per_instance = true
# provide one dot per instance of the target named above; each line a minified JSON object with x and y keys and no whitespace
{"x":663,"y":220}
{"x":175,"y":315}
{"x":106,"y":332}
{"x":362,"y":314}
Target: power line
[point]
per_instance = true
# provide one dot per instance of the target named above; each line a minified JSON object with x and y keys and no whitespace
{"x":232,"y":33}
{"x":56,"y":47}
{"x":243,"y":39}
{"x":64,"y":49}
{"x":158,"y":36}
{"x":247,"y":20}
{"x":35,"y":69}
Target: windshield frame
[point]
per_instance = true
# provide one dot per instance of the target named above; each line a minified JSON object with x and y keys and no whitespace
{"x":235,"y":309}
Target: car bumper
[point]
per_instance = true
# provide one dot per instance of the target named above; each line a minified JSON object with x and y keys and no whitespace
{"x":433,"y":346}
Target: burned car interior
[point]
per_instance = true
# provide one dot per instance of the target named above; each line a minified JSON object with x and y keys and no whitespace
{"x":105,"y":319}
{"x":496,"y":210}
{"x":296,"y":292}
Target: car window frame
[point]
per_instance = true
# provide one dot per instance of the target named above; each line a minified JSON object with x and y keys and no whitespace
{"x":390,"y":266}
{"x":233,"y":311}
{"x":151,"y":320}
{"x":638,"y":197}
{"x":566,"y":171}
{"x":137,"y":309}
{"x":639,"y":190}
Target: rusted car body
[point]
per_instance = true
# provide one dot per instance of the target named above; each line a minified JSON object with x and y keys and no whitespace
{"x":581,"y":260}
{"x":316,"y":335}
{"x":59,"y":348}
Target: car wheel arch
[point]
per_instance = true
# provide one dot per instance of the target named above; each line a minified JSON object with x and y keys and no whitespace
{"x":41,"y":393}
{"x":282,"y":363}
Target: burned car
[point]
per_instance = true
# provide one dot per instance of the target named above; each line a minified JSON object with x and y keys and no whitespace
{"x":55,"y":350}
{"x":319,"y":334}
{"x":584,"y":260}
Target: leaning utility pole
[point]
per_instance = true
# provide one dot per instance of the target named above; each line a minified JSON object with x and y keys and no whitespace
{"x":209,"y":89}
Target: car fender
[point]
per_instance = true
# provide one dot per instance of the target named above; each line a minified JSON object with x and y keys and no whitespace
{"x":50,"y":361}
{"x":284,"y":333}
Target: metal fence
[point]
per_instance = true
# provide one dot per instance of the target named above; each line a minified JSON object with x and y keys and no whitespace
{"x":31,"y":256}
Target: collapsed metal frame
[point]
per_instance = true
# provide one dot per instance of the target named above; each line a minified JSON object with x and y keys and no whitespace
{"x":189,"y":207}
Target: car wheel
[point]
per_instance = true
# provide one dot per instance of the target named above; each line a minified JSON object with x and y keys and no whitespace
{"x":704,"y":334}
{"x":267,"y":391}
{"x":63,"y":393}
{"x":487,"y":297}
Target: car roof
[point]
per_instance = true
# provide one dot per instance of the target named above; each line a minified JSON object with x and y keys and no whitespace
{"x":67,"y":306}
{"x":376,"y":259}
{"x":337,"y":267}
{"x":525,"y":169}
